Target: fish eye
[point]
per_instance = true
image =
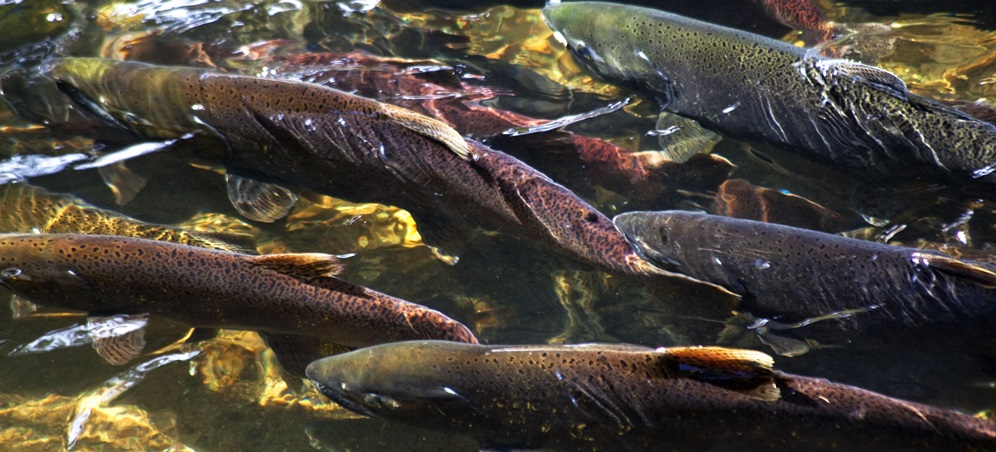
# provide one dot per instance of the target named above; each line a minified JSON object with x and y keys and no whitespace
{"x":662,"y":233}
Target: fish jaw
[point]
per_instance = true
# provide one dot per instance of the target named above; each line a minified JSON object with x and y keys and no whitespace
{"x":648,"y":233}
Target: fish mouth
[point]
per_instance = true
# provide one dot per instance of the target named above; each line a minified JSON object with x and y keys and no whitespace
{"x":341,"y":400}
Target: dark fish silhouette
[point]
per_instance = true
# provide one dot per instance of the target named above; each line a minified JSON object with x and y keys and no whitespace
{"x":615,"y":397}
{"x":309,"y":136}
{"x":798,"y":274}
{"x":748,"y":86}
{"x":283,"y":296}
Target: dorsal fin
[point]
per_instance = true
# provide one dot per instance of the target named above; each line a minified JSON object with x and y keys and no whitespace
{"x":303,"y":266}
{"x":983,"y":276}
{"x":747,"y":372}
{"x":720,"y":362}
{"x":429,"y":127}
{"x":880,"y":78}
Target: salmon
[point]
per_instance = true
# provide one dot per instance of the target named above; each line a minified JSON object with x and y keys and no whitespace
{"x":283,"y":296}
{"x":622,"y":397}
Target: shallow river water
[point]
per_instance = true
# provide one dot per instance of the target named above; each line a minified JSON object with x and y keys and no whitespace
{"x":195,"y":389}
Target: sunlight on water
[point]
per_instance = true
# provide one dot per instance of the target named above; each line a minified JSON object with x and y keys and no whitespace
{"x":495,"y":73}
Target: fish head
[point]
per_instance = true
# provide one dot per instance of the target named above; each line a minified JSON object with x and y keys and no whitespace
{"x":601,"y":37}
{"x":403,"y":381}
{"x":654,"y":236}
{"x":30,"y":267}
{"x":595,"y":36}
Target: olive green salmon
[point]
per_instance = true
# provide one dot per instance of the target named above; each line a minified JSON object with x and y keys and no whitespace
{"x":282,"y":294}
{"x":796,"y":274}
{"x":752,"y":87}
{"x":314,"y":137}
{"x":25,"y":208}
{"x":612,"y":397}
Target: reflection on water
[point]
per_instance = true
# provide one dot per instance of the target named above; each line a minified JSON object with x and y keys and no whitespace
{"x":498,"y":65}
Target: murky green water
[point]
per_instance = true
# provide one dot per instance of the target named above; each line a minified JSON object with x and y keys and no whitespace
{"x":225,"y":393}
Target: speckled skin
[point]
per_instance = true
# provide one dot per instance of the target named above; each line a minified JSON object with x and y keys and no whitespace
{"x":208,"y":288}
{"x":795,"y":274}
{"x":748,"y":86}
{"x":612,"y":397}
{"x":339,"y":144}
{"x":26,"y":208}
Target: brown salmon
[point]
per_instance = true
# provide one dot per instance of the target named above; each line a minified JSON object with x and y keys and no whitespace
{"x":304,"y":135}
{"x":26,"y":208}
{"x":612,"y":397}
{"x":283,"y":296}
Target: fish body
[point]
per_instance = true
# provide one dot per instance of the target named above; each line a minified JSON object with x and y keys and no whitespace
{"x":310,"y":136}
{"x":600,"y":396}
{"x":28,"y":208}
{"x":289,"y":294}
{"x":798,"y":274}
{"x":752,"y":87}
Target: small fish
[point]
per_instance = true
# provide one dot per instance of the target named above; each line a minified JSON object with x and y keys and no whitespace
{"x":283,"y":296}
{"x":796,"y":274}
{"x":747,"y":86}
{"x":612,"y":397}
{"x":739,"y":199}
{"x":286,"y":134}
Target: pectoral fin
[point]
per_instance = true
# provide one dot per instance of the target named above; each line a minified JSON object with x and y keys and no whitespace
{"x":431,"y":128}
{"x":303,"y":266}
{"x":983,"y":276}
{"x":119,"y":338}
{"x":259,"y":201}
